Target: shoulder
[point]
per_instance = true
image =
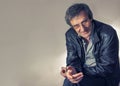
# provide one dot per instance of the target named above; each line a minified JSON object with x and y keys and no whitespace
{"x":104,"y":29}
{"x":70,"y":33}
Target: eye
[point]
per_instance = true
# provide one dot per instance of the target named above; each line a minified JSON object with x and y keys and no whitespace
{"x":85,"y":21}
{"x":76,"y":26}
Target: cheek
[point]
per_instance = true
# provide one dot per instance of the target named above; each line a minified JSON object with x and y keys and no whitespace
{"x":88,"y":25}
{"x":77,"y":30}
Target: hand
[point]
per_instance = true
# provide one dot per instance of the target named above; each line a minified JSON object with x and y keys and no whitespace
{"x":63,"y":71}
{"x":72,"y":75}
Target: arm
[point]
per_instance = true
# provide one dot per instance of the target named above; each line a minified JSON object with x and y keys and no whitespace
{"x":72,"y":57}
{"x":108,"y":58}
{"x":73,"y":69}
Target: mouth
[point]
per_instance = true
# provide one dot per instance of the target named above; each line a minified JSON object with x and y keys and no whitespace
{"x":83,"y":32}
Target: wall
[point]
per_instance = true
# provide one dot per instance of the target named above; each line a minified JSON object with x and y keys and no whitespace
{"x":32,"y":42}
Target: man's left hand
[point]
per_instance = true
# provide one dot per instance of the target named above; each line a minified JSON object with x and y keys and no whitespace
{"x":73,"y":76}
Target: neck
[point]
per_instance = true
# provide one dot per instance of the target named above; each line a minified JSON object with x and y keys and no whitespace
{"x":87,"y":39}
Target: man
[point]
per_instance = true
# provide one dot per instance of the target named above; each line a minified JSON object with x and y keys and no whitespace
{"x":92,"y":50}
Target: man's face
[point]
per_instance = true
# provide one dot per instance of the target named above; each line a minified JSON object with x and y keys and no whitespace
{"x":82,"y":24}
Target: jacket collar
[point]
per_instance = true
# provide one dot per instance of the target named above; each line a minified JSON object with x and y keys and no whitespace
{"x":95,"y":36}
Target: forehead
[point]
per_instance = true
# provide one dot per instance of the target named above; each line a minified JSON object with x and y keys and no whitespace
{"x":79,"y":18}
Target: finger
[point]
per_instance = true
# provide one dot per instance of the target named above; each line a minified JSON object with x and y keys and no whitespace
{"x":77,"y":75}
{"x":69,"y":71}
{"x":73,"y":71}
{"x":75,"y":81}
{"x":63,"y":69}
{"x":70,"y":68}
{"x":78,"y":78}
{"x":69,"y":75}
{"x":62,"y":73}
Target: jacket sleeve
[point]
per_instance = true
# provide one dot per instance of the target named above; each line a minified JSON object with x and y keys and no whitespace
{"x":108,"y":58}
{"x":72,"y":57}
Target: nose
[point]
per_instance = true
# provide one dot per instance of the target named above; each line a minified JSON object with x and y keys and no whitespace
{"x":81,"y":28}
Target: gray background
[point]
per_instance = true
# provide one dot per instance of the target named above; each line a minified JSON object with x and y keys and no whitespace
{"x":32,"y":42}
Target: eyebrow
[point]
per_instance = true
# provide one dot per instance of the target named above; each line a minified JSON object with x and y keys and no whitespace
{"x":84,"y":20}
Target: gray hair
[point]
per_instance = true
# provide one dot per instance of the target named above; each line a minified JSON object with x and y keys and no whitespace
{"x":75,"y":10}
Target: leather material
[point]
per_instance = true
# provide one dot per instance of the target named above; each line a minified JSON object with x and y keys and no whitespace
{"x":106,"y":46}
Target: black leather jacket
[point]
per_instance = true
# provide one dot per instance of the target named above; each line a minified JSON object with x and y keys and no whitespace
{"x":106,"y":47}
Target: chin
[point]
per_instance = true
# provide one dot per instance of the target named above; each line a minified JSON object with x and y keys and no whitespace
{"x":85,"y":36}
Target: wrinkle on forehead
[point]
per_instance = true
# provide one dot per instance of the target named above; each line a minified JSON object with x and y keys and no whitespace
{"x":79,"y":18}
